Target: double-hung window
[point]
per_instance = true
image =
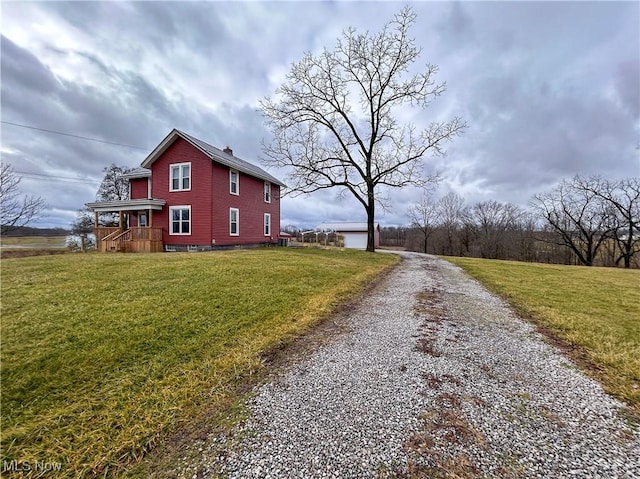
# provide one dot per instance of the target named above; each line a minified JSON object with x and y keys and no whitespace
{"x":180,"y":220}
{"x":234,"y":221}
{"x":267,"y":192}
{"x":267,"y":224}
{"x":180,"y":177}
{"x":234,"y":182}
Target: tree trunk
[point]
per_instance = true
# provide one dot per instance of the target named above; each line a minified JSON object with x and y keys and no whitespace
{"x":371,"y":208}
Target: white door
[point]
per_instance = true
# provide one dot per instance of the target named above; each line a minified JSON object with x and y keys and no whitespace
{"x":355,"y":240}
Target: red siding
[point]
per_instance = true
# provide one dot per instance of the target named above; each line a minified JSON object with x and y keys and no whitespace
{"x":139,"y":188}
{"x":252,"y":208}
{"x":199,"y":197}
{"x":210,"y":201}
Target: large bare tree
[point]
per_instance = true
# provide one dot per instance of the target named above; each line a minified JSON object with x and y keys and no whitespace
{"x":424,"y":216}
{"x":623,"y":198}
{"x":452,"y":212}
{"x":492,"y":221}
{"x":581,"y":219}
{"x":334,"y":120}
{"x":16,"y":209}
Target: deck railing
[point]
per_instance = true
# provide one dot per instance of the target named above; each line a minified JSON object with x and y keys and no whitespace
{"x":152,"y":234}
{"x":128,"y":240}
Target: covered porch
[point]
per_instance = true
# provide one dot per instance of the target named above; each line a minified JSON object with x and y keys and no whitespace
{"x":135,"y":232}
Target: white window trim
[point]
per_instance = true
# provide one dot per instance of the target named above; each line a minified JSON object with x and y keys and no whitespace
{"x":267,"y":188}
{"x":237,"y":192}
{"x":179,"y":165}
{"x":237,"y":233}
{"x":266,"y":222}
{"x":179,"y":207}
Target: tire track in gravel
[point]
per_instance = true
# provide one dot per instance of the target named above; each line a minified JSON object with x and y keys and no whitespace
{"x":436,"y":377}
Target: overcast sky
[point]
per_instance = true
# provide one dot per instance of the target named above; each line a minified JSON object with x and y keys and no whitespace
{"x":548,"y":89}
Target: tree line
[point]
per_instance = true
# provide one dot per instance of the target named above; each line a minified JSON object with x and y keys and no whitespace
{"x":584,"y":220}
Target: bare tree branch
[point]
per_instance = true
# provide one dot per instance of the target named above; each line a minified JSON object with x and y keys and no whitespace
{"x":333,"y":120}
{"x":16,"y":210}
{"x":580,"y":218}
{"x":425,"y":216}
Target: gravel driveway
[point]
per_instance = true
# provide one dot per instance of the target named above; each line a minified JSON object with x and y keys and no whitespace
{"x":435,"y":377}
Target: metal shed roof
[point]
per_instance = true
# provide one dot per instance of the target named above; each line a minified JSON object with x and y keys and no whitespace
{"x":345,"y":227}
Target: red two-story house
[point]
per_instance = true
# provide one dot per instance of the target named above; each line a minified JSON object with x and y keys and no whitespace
{"x":189,"y":195}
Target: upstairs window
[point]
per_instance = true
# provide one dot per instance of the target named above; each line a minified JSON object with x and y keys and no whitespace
{"x":267,"y":192}
{"x":234,"y":221}
{"x":267,"y":224}
{"x":180,"y":177}
{"x":234,"y":186}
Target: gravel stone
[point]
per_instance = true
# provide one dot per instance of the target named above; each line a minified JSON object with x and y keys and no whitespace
{"x":435,"y":375}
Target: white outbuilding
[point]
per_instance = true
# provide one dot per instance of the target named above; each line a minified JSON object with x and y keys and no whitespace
{"x":354,"y":234}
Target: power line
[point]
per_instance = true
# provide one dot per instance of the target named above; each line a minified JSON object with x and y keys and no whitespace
{"x":74,"y":136}
{"x":42,"y":176}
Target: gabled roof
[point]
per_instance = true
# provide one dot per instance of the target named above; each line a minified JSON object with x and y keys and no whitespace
{"x":212,"y":152}
{"x":345,"y":227}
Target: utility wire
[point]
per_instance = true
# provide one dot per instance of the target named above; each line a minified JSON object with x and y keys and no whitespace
{"x":42,"y":176}
{"x":74,"y":136}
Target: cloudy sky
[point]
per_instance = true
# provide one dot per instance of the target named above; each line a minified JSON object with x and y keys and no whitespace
{"x":548,"y":89}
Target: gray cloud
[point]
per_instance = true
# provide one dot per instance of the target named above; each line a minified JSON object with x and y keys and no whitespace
{"x":21,"y":70}
{"x":549,"y":89}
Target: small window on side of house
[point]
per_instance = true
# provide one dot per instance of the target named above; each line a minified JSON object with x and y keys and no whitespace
{"x":234,"y":183}
{"x":234,"y":222}
{"x":267,"y":192}
{"x":267,"y":224}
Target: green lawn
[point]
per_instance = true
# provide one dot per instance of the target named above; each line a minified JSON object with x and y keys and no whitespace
{"x":596,"y":310}
{"x":106,"y":355}
{"x":32,"y":241}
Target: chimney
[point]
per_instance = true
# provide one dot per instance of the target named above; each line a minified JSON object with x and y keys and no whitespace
{"x":228,"y":150}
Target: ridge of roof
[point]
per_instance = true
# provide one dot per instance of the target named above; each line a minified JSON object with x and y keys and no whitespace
{"x":214,"y":153}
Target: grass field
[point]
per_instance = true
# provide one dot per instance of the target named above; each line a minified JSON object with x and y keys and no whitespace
{"x":10,"y":242}
{"x":105,"y":356}
{"x":596,"y":311}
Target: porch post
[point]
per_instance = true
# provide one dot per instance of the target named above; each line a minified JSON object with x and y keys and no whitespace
{"x":95,"y":224}
{"x":150,"y":222}
{"x":121,"y":220}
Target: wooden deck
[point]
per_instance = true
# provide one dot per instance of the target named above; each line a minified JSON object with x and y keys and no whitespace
{"x":128,"y":240}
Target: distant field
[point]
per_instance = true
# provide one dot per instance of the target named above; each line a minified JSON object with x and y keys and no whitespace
{"x":37,"y":242}
{"x":106,"y":355}
{"x":594,"y":309}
